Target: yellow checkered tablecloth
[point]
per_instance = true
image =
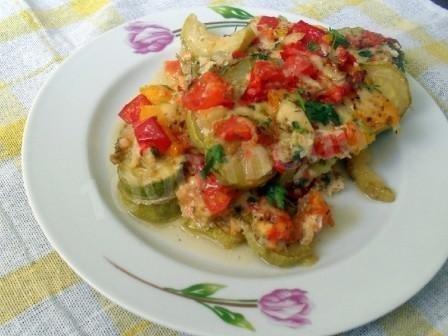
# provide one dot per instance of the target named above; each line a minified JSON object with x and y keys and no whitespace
{"x":39,"y":293}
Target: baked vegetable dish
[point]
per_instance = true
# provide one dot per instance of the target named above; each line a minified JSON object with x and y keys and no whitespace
{"x":249,"y":133}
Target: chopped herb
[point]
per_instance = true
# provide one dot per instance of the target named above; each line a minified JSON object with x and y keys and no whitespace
{"x":301,"y":183}
{"x":265,"y":123}
{"x":155,"y":152}
{"x":313,"y":46}
{"x":296,"y":156}
{"x":337,"y":39}
{"x":399,"y":61}
{"x":326,"y":178}
{"x":214,"y":156}
{"x":323,"y":113}
{"x":260,"y":56}
{"x":299,"y":100}
{"x":370,"y":86}
{"x":296,"y":127}
{"x":252,"y":199}
{"x":365,"y":53}
{"x":276,"y":195}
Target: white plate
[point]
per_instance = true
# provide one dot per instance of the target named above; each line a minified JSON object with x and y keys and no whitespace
{"x":376,"y":257}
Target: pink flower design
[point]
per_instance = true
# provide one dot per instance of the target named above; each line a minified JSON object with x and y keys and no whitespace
{"x":147,"y":37}
{"x":289,"y":307}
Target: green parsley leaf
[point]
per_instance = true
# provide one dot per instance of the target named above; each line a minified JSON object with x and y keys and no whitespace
{"x":296,"y":155}
{"x":371,"y":87}
{"x":260,"y":56}
{"x":265,"y":123}
{"x":313,"y":46}
{"x":299,"y":100}
{"x":399,"y":61}
{"x":365,"y":53}
{"x":337,"y":39}
{"x":323,"y":113}
{"x":276,"y":195}
{"x":214,"y":156}
{"x":296,"y":127}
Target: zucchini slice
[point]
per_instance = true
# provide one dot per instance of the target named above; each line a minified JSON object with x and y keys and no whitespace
{"x":200,"y":42}
{"x":156,"y":213}
{"x":238,"y":76}
{"x":216,"y":234}
{"x":367,"y":180}
{"x":200,"y":126}
{"x":392,"y":83}
{"x":246,"y":168}
{"x":157,"y":183}
{"x":295,"y":254}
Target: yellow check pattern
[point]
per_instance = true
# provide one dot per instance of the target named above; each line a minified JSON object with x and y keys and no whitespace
{"x":39,"y":293}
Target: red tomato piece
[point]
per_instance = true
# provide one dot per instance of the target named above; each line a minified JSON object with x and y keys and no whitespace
{"x":207,"y":91}
{"x":283,"y":228}
{"x":329,"y":144}
{"x":279,"y":166}
{"x":150,"y":134}
{"x":335,"y":94}
{"x":314,"y":204}
{"x":338,"y":142}
{"x":172,"y":67}
{"x":216,"y":197}
{"x":371,"y":39}
{"x":312,"y":33}
{"x":269,"y":21}
{"x":234,"y":129}
{"x":265,"y":139}
{"x":131,"y":111}
{"x":345,"y":59}
{"x":238,"y":54}
{"x":299,"y":65}
{"x":264,"y":76}
{"x":293,"y":49}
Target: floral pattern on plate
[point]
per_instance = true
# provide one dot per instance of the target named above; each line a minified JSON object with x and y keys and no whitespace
{"x":287,"y":307}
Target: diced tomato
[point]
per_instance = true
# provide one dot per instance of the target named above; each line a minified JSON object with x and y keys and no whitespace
{"x":269,"y":21}
{"x":371,"y":39}
{"x":293,"y":49}
{"x":312,"y":33}
{"x":338,"y":142}
{"x":345,"y":58}
{"x":335,"y":94}
{"x":131,"y":111}
{"x":279,"y":166}
{"x":264,"y":76}
{"x":282,"y":228}
{"x":150,"y":134}
{"x":299,"y":65}
{"x":275,"y":224}
{"x":234,"y":129}
{"x":172,"y":67}
{"x":265,"y":139}
{"x":255,"y":41}
{"x":314,"y":204}
{"x":329,"y":144}
{"x":207,"y":91}
{"x":238,"y":54}
{"x":216,"y":197}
